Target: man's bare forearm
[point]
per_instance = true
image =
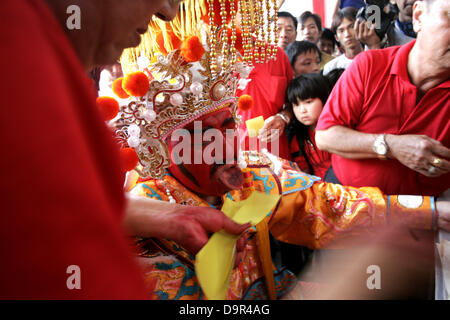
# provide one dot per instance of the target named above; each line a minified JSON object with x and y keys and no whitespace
{"x":146,"y":217}
{"x":346,"y":142}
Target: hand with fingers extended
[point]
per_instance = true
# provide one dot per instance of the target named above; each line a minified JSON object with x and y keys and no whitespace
{"x":189,"y":226}
{"x":420,"y":153}
{"x":365,"y":32}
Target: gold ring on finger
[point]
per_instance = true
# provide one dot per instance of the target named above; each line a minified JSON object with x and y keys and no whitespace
{"x":437,"y":162}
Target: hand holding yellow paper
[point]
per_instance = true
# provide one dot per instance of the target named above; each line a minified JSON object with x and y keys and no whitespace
{"x":214,"y":262}
{"x":254,"y":125}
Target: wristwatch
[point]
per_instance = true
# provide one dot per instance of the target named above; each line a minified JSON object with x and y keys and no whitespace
{"x":283,"y":117}
{"x":380,"y":147}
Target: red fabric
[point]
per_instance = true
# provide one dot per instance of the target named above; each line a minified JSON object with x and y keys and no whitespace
{"x":319,"y":160}
{"x":61,"y":186}
{"x":268,"y":89}
{"x":375,"y":95}
{"x":319,"y":8}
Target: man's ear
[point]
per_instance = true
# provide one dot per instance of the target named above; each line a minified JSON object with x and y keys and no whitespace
{"x":418,"y":15}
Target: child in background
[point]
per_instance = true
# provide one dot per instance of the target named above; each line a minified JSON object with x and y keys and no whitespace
{"x":307,"y":94}
{"x":305,"y":57}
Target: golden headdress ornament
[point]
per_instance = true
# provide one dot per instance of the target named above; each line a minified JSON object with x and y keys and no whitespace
{"x":199,"y":77}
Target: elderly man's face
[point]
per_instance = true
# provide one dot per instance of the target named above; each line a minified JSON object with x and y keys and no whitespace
{"x":123,"y":22}
{"x":286,"y":31}
{"x":209,"y":176}
{"x":432,"y":23}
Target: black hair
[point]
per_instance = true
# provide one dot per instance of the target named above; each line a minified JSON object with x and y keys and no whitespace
{"x":284,"y":14}
{"x":328,"y":35}
{"x":334,"y":75}
{"x":307,"y":86}
{"x":347,"y":12}
{"x":297,"y":48}
{"x":308,"y":14}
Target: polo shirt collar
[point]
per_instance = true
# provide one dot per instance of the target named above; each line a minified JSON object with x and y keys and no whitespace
{"x":400,"y":64}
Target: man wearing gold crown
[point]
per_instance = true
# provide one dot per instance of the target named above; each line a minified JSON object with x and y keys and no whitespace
{"x":193,"y":92}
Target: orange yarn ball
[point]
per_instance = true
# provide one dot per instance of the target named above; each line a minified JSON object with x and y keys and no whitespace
{"x":172,"y":39}
{"x":118,"y":89}
{"x":108,"y":106}
{"x":129,"y":159}
{"x":136,"y":84}
{"x":192,"y":49}
{"x":245,"y":102}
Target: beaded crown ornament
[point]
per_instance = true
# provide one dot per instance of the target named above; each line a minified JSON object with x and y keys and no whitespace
{"x":193,"y":80}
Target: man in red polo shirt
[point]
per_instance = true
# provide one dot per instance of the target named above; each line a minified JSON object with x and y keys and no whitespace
{"x":388,"y":119}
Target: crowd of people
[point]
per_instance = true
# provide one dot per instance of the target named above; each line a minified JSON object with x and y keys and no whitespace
{"x":357,"y":129}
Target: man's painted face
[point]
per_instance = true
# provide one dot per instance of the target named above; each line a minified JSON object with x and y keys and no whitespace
{"x":208,"y":155}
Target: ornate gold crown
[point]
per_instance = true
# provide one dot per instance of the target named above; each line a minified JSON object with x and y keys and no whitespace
{"x":182,"y":91}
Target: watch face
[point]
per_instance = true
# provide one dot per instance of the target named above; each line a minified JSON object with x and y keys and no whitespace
{"x":381,"y":149}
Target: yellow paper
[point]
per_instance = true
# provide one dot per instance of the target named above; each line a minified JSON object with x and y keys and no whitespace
{"x":254,"y":125}
{"x":214,"y":262}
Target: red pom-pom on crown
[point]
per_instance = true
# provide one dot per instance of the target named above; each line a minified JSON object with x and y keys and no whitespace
{"x":109,"y":107}
{"x":192,"y":49}
{"x":136,"y":84}
{"x":245,"y":102}
{"x":118,"y":89}
{"x":129,"y":159}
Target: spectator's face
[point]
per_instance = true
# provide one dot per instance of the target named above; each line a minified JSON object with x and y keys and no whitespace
{"x":326,"y":45}
{"x":345,"y":34}
{"x":122,"y":22}
{"x":286,"y":31}
{"x":406,"y":9}
{"x":205,"y":169}
{"x":308,"y":62}
{"x":309,"y":31}
{"x":432,"y":24}
{"x":308,"y":111}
